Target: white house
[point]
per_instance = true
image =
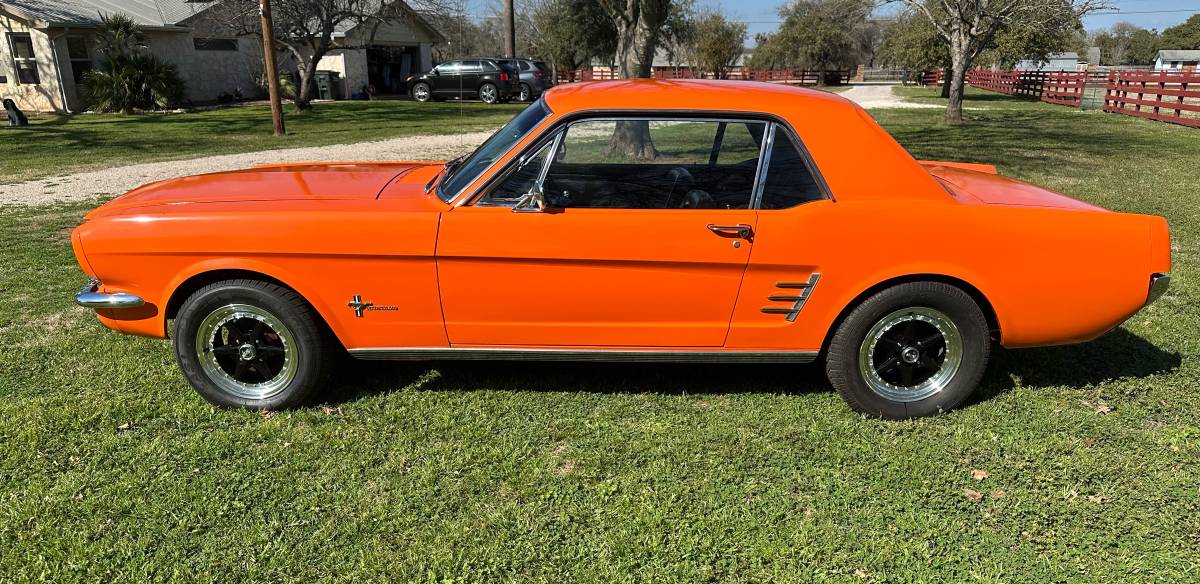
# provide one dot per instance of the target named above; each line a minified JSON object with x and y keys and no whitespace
{"x":48,"y":45}
{"x":1176,"y":60}
{"x":1054,"y":62}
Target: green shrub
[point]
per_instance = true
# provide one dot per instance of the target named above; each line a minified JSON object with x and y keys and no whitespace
{"x":130,"y":79}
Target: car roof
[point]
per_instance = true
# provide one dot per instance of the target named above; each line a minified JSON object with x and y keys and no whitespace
{"x":690,"y":94}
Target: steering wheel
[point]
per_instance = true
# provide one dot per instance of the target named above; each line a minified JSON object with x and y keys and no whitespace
{"x":697,"y":199}
{"x":678,"y":175}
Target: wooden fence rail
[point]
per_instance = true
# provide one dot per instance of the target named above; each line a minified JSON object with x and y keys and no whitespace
{"x":1161,"y":95}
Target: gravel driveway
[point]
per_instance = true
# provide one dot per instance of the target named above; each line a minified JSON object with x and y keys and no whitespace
{"x":117,"y":180}
{"x":879,"y":96}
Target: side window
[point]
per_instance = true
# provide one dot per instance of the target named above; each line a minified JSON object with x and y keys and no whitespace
{"x":470,"y":67}
{"x":789,"y":181}
{"x":518,"y":180}
{"x":451,"y":68}
{"x":24,"y":59}
{"x":655,"y":164}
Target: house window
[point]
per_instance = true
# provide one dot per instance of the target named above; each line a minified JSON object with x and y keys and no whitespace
{"x":77,"y":52}
{"x":215,"y":44}
{"x":24,"y":61}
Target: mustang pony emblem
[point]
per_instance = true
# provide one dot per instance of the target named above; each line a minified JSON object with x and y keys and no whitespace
{"x":359,"y":306}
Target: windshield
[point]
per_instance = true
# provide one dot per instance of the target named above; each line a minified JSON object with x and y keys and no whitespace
{"x":458,"y":176}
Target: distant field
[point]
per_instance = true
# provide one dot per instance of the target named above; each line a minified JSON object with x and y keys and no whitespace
{"x":1073,"y":464}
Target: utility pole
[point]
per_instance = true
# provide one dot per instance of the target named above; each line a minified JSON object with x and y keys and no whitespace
{"x":510,"y":31}
{"x":272,"y":72}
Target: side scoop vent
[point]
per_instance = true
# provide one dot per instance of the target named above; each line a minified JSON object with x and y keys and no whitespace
{"x":804,"y":290}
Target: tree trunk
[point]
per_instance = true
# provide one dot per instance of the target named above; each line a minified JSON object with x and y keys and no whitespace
{"x":636,"y":41}
{"x":304,"y":93}
{"x":958,"y":79}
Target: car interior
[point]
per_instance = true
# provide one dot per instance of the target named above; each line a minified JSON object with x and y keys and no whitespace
{"x":695,"y":165}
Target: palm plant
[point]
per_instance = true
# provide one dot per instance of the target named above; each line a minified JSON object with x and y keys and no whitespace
{"x":129,"y":78}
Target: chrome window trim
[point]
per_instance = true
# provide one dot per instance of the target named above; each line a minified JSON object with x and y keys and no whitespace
{"x":764,"y":160}
{"x":555,"y":140}
{"x":465,"y":199}
{"x":453,"y":200}
{"x":617,"y":355}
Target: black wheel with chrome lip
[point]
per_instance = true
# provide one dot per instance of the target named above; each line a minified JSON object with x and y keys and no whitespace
{"x":912,"y":350}
{"x":252,"y":344}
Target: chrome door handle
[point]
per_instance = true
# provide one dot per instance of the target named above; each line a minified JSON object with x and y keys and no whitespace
{"x":740,"y":230}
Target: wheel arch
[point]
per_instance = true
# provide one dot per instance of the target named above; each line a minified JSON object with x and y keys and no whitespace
{"x":203,"y":276}
{"x":985,"y":305}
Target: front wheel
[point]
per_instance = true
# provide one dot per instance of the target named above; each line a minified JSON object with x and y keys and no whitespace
{"x":252,"y":344}
{"x":421,"y":92}
{"x":912,"y":350}
{"x":488,"y":93}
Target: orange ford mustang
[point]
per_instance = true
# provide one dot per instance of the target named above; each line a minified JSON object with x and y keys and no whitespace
{"x":625,"y":221}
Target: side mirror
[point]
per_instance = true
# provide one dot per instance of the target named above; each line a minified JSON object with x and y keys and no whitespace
{"x":434,"y":72}
{"x":532,"y":202}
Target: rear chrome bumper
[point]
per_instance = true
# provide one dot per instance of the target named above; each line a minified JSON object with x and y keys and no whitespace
{"x":90,"y":298}
{"x":1158,"y":286}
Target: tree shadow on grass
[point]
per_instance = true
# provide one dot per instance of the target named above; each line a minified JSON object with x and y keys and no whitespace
{"x":1119,"y":354}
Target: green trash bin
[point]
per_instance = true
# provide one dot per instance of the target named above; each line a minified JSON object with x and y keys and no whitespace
{"x":327,"y":85}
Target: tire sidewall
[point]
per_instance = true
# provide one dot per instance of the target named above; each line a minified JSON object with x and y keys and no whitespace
{"x":526,"y":93}
{"x":842,"y":360}
{"x":309,"y":339}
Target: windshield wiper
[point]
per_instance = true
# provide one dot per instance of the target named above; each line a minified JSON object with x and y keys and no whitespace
{"x":447,"y":167}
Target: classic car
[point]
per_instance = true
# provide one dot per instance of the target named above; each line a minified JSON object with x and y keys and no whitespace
{"x":639,"y":220}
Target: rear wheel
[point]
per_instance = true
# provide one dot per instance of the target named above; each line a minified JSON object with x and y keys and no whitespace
{"x":252,"y":344}
{"x":526,"y":93}
{"x":912,"y":350}
{"x":421,"y":92}
{"x":488,"y":93}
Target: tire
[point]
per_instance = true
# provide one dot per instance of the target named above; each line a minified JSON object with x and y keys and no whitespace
{"x":884,"y":358}
{"x":488,"y":93}
{"x":290,"y":355}
{"x":526,"y":93}
{"x":422,"y":92}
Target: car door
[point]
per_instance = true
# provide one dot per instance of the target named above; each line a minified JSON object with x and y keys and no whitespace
{"x":446,"y":82}
{"x":632,"y":251}
{"x":471,"y":74}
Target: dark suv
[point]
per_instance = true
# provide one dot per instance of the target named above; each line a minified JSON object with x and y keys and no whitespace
{"x":535,"y":77}
{"x":485,"y":79}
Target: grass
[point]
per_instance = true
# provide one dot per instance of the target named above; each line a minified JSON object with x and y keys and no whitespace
{"x":112,"y":469}
{"x":54,"y":145}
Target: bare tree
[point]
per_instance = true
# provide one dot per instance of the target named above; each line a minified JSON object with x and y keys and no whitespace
{"x":309,"y":29}
{"x":969,"y":26}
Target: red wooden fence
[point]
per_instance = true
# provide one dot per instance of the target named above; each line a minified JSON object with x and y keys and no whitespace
{"x":1062,"y":88}
{"x":1163,"y":96}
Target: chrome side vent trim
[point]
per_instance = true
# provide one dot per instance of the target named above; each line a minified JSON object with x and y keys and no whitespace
{"x":797,"y":300}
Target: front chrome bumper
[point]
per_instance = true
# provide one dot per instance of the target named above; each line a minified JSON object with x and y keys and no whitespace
{"x":90,"y":298}
{"x":1158,"y":286}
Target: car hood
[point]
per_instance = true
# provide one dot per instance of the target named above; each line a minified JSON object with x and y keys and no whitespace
{"x":979,"y":183}
{"x":309,"y":181}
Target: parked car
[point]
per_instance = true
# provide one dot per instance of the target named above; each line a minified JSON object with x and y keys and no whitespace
{"x":536,"y":77}
{"x":487,"y":80}
{"x":637,"y":220}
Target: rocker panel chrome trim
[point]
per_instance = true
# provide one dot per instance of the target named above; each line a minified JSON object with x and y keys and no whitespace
{"x":622,"y":355}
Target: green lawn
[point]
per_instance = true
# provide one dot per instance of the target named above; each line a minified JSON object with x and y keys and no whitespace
{"x":60,"y":144}
{"x":111,"y":469}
